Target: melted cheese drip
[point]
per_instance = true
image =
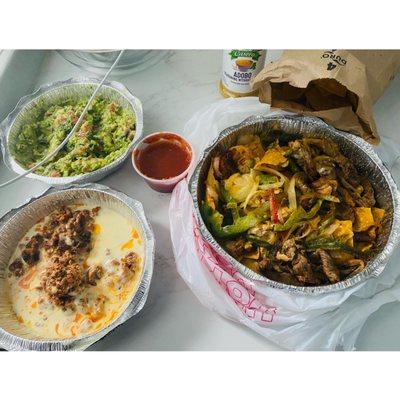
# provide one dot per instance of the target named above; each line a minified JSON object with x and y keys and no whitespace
{"x":110,"y":234}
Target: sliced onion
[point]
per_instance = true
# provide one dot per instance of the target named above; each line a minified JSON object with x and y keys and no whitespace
{"x":329,"y":197}
{"x":253,"y":190}
{"x":280,"y":216}
{"x":330,"y":229}
{"x":355,"y":262}
{"x":246,"y":202}
{"x":281,"y":178}
{"x":357,"y":265}
{"x":292,"y":193}
{"x":306,"y":232}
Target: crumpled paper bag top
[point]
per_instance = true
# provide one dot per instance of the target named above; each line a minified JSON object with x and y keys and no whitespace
{"x":338,"y":86}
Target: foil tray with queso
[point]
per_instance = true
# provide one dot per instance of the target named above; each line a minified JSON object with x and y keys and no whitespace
{"x":41,"y":121}
{"x":80,"y":264}
{"x":297,"y":204}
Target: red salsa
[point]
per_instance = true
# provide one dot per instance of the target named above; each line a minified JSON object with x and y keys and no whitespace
{"x":163,"y":159}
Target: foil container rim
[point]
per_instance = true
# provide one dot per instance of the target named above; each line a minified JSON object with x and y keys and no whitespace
{"x":7,"y":124}
{"x":84,"y":341}
{"x":373,"y":269}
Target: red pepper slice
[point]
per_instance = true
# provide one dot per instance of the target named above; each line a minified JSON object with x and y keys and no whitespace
{"x":273,"y":205}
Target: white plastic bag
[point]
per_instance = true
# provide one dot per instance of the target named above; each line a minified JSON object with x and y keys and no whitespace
{"x":293,"y":321}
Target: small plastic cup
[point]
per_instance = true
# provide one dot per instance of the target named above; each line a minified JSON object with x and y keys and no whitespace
{"x":162,"y":185}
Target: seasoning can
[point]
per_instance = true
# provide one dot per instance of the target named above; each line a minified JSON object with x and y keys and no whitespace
{"x":238,"y":68}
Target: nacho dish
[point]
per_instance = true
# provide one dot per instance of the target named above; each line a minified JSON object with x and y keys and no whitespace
{"x":104,"y":135}
{"x":75,"y":271}
{"x":291,"y":208}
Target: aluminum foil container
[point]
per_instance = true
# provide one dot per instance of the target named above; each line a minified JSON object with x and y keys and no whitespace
{"x":13,"y":226}
{"x":356,"y":149}
{"x":52,"y":94}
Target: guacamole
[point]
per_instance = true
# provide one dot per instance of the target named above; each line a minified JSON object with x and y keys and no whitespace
{"x":105,"y":134}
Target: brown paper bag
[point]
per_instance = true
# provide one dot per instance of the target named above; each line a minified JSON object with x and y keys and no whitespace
{"x":339,"y":86}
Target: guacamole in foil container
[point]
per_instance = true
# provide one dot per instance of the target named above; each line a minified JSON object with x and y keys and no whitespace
{"x":41,"y":121}
{"x":105,"y":133}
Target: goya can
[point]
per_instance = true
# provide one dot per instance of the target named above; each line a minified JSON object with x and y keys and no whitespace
{"x":238,"y":68}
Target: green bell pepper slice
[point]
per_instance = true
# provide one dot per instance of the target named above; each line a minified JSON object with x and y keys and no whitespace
{"x":328,"y":244}
{"x":226,"y":197}
{"x":229,"y":201}
{"x":266,"y":179}
{"x":259,"y":241}
{"x":297,"y":216}
{"x":213,"y":220}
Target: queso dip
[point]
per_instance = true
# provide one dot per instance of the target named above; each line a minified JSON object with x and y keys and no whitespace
{"x":75,"y":271}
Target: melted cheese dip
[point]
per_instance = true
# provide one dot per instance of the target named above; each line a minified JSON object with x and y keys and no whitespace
{"x":113,"y":237}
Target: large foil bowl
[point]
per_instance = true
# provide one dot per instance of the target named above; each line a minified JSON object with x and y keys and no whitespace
{"x":14,"y":225}
{"x":356,"y":149}
{"x":52,"y":94}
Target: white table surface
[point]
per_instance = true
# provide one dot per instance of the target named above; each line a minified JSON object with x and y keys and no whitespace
{"x":173,"y":319}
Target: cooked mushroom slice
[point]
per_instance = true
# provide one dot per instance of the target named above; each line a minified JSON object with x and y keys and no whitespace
{"x":355,"y":266}
{"x":287,"y":252}
{"x":347,"y":198}
{"x":223,"y":166}
{"x":325,"y":166}
{"x":345,"y":212}
{"x":239,"y":247}
{"x":325,"y":186}
{"x":303,"y":157}
{"x":348,"y":170}
{"x":328,"y":267}
{"x":303,"y":270}
{"x":300,"y":180}
{"x":368,"y":195}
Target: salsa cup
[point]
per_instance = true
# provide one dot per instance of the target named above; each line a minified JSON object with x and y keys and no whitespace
{"x":162,"y":185}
